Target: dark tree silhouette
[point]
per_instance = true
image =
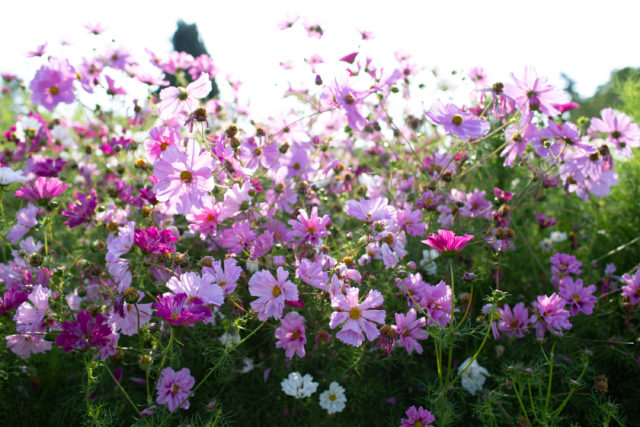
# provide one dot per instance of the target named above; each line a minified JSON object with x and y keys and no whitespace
{"x":187,"y":39}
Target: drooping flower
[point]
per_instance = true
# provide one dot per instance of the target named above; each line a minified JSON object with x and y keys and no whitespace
{"x":42,"y":189}
{"x":175,"y":101}
{"x":299,"y":386}
{"x":409,"y":330}
{"x":446,"y":242}
{"x":174,"y":387}
{"x":356,"y":317}
{"x":473,"y":377}
{"x":53,"y":84}
{"x":333,"y":400}
{"x":84,"y":333}
{"x":271,"y":292}
{"x":183,"y":179}
{"x":291,"y":335}
{"x":417,"y":418}
{"x":456,"y":122}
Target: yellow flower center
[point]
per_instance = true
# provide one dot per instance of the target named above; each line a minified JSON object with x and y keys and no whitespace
{"x":295,"y":335}
{"x":276,"y":291}
{"x":54,"y":90}
{"x":175,"y":316}
{"x":164,"y":145}
{"x":354,"y":313}
{"x":456,"y":119}
{"x":332,"y":397}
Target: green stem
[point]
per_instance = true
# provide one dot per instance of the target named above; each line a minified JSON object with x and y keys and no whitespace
{"x":168,"y":348}
{"x":218,"y":363}
{"x":122,"y":390}
{"x":562,"y":405}
{"x":524,"y":411}
{"x":451,"y":329}
{"x":546,"y":403}
{"x":484,"y":340}
{"x":533,"y":408}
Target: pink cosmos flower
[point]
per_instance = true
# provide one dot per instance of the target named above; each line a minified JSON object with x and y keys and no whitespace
{"x":349,"y":99}
{"x":132,"y":318}
{"x":356,"y":317}
{"x":33,"y":316}
{"x":183,"y":178}
{"x":181,"y":310}
{"x":417,"y":417}
{"x":176,"y":101}
{"x":82,"y":209}
{"x":533,"y":93}
{"x":409,"y":330}
{"x":514,"y":323}
{"x":311,"y":273}
{"x":160,"y":138}
{"x":271,"y":292}
{"x":411,"y":221}
{"x":27,"y":344}
{"x":25,"y":221}
{"x":42,"y":189}
{"x":53,"y":84}
{"x":457,"y":122}
{"x":225,"y":279}
{"x":39,"y":51}
{"x":291,"y":335}
{"x":174,"y":387}
{"x":632,"y":287}
{"x":550,"y":315}
{"x":205,"y":219}
{"x":620,"y":130}
{"x":446,"y":242}
{"x":437,"y":300}
{"x":578,"y":297}
{"x":195,"y":286}
{"x":371,"y":210}
{"x":12,"y":299}
{"x":310,"y":228}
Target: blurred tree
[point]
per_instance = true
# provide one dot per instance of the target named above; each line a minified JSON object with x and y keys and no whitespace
{"x":607,"y":95}
{"x":187,"y":39}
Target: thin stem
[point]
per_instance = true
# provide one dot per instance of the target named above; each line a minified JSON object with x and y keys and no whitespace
{"x":486,"y":336}
{"x":453,"y":296}
{"x":533,"y":408}
{"x":218,"y":363}
{"x":524,"y":411}
{"x":546,"y":403}
{"x":562,"y":405}
{"x":122,"y":389}
{"x":168,"y":348}
{"x":466,"y":311}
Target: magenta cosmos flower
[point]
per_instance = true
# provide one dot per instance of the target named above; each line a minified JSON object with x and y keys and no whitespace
{"x":181,"y":310}
{"x":174,"y":387}
{"x":53,"y":84}
{"x":417,"y":417}
{"x":579,"y":297}
{"x":42,"y":189}
{"x":457,"y":122}
{"x":446,"y":242}
{"x":550,"y":315}
{"x":84,"y":333}
{"x":514,"y":323}
{"x":357,"y":317}
{"x":175,"y":101}
{"x":291,"y":335}
{"x":183,"y":178}
{"x":271,"y":292}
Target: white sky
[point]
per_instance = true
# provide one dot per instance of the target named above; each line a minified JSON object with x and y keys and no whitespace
{"x":585,"y":39}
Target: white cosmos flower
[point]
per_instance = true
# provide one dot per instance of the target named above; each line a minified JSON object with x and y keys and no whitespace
{"x":299,"y":386}
{"x":334,"y":399}
{"x":558,"y":236}
{"x":9,"y":176}
{"x":474,"y":377}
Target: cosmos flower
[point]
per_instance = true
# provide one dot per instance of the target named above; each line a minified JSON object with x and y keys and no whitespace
{"x":356,"y":317}
{"x":174,"y":387}
{"x":456,"y":122}
{"x":333,"y":399}
{"x":299,"y":386}
{"x":446,"y":242}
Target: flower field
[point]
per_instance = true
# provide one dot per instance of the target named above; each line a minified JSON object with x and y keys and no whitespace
{"x":371,"y":254}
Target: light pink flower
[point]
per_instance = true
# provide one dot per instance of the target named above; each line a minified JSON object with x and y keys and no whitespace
{"x":174,"y":387}
{"x":271,"y":293}
{"x":195,"y":286}
{"x":291,"y":335}
{"x":356,"y":317}
{"x":409,"y":330}
{"x":176,"y":101}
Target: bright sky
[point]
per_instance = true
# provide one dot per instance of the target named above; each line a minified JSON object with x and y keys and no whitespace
{"x":584,"y":39}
